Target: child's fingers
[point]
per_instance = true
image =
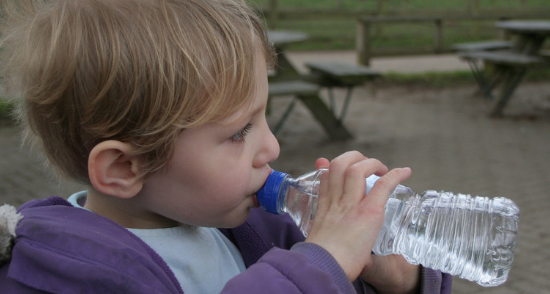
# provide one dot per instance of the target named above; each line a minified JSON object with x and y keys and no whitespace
{"x":322,"y":163}
{"x":355,"y":184}
{"x":348,"y":220}
{"x":338,"y":171}
{"x":323,"y":185}
{"x":386,"y":184}
{"x":323,"y":191}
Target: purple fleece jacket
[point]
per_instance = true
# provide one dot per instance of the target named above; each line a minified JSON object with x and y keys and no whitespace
{"x":62,"y":249}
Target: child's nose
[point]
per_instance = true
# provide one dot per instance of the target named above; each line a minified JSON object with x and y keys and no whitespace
{"x":269,"y":150}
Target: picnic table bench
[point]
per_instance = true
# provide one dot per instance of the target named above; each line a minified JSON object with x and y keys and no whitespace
{"x":482,"y":46}
{"x":287,"y":81}
{"x":335,"y":74}
{"x":509,"y":69}
{"x":509,"y":64}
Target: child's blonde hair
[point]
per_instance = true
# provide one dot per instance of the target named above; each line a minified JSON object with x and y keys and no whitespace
{"x":137,"y":71}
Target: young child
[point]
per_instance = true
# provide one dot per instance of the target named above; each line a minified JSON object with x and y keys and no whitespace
{"x":158,"y":107}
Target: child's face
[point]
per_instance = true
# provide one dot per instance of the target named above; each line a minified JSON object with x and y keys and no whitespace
{"x":216,"y":168}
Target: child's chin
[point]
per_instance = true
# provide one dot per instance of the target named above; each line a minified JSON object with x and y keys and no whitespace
{"x":237,"y":221}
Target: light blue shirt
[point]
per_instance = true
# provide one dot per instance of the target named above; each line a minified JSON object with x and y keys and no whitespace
{"x":202,"y":259}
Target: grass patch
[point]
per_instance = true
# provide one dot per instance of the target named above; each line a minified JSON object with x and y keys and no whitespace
{"x":428,"y":79}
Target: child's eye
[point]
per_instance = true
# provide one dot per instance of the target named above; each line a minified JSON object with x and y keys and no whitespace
{"x":239,"y":137}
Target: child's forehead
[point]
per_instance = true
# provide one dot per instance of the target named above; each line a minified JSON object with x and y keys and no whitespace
{"x":253,"y":107}
{"x":258,"y":99}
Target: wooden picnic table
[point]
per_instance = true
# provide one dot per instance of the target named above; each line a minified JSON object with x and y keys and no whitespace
{"x":535,"y":27}
{"x":530,"y":38}
{"x":510,"y":65}
{"x":531,"y":34}
{"x":288,"y":73}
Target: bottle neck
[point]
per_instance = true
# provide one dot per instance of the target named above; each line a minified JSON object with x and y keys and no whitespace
{"x":285,"y":189}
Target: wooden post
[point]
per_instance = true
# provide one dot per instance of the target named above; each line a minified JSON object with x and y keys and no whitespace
{"x":473,"y":7}
{"x":503,"y":34}
{"x":363,"y":42}
{"x":438,"y":38}
{"x":273,"y":14}
{"x":379,"y":7}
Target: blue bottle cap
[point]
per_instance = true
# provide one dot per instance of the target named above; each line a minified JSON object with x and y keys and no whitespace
{"x":267,"y":195}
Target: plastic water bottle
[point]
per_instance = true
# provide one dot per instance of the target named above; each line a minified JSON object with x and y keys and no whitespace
{"x":471,"y":237}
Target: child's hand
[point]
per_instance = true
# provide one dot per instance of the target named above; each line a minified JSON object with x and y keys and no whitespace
{"x":392,"y":274}
{"x":347,"y":221}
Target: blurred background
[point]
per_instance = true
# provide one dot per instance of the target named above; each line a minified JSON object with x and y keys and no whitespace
{"x":425,"y":111}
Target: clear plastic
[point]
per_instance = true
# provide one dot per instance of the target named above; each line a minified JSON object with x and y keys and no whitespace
{"x":471,"y":237}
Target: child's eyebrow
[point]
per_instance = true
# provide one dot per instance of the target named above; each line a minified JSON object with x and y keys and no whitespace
{"x":246,"y":111}
{"x":239,"y":116}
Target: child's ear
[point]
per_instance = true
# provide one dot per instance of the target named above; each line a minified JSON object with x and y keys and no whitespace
{"x":114,"y":170}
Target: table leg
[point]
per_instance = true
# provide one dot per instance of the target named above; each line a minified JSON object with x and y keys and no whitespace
{"x":483,"y":83}
{"x":333,"y":126}
{"x":512,"y":78}
{"x":283,"y":118}
{"x":496,"y":79}
{"x":529,"y":44}
{"x":488,"y":77}
{"x":285,"y":68}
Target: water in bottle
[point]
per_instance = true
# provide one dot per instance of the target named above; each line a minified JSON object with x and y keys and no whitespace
{"x":471,"y":237}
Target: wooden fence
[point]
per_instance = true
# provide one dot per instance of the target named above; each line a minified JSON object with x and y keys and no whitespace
{"x":365,"y":27}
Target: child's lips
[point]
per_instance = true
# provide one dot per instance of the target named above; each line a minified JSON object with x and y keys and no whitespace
{"x":255,"y":196}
